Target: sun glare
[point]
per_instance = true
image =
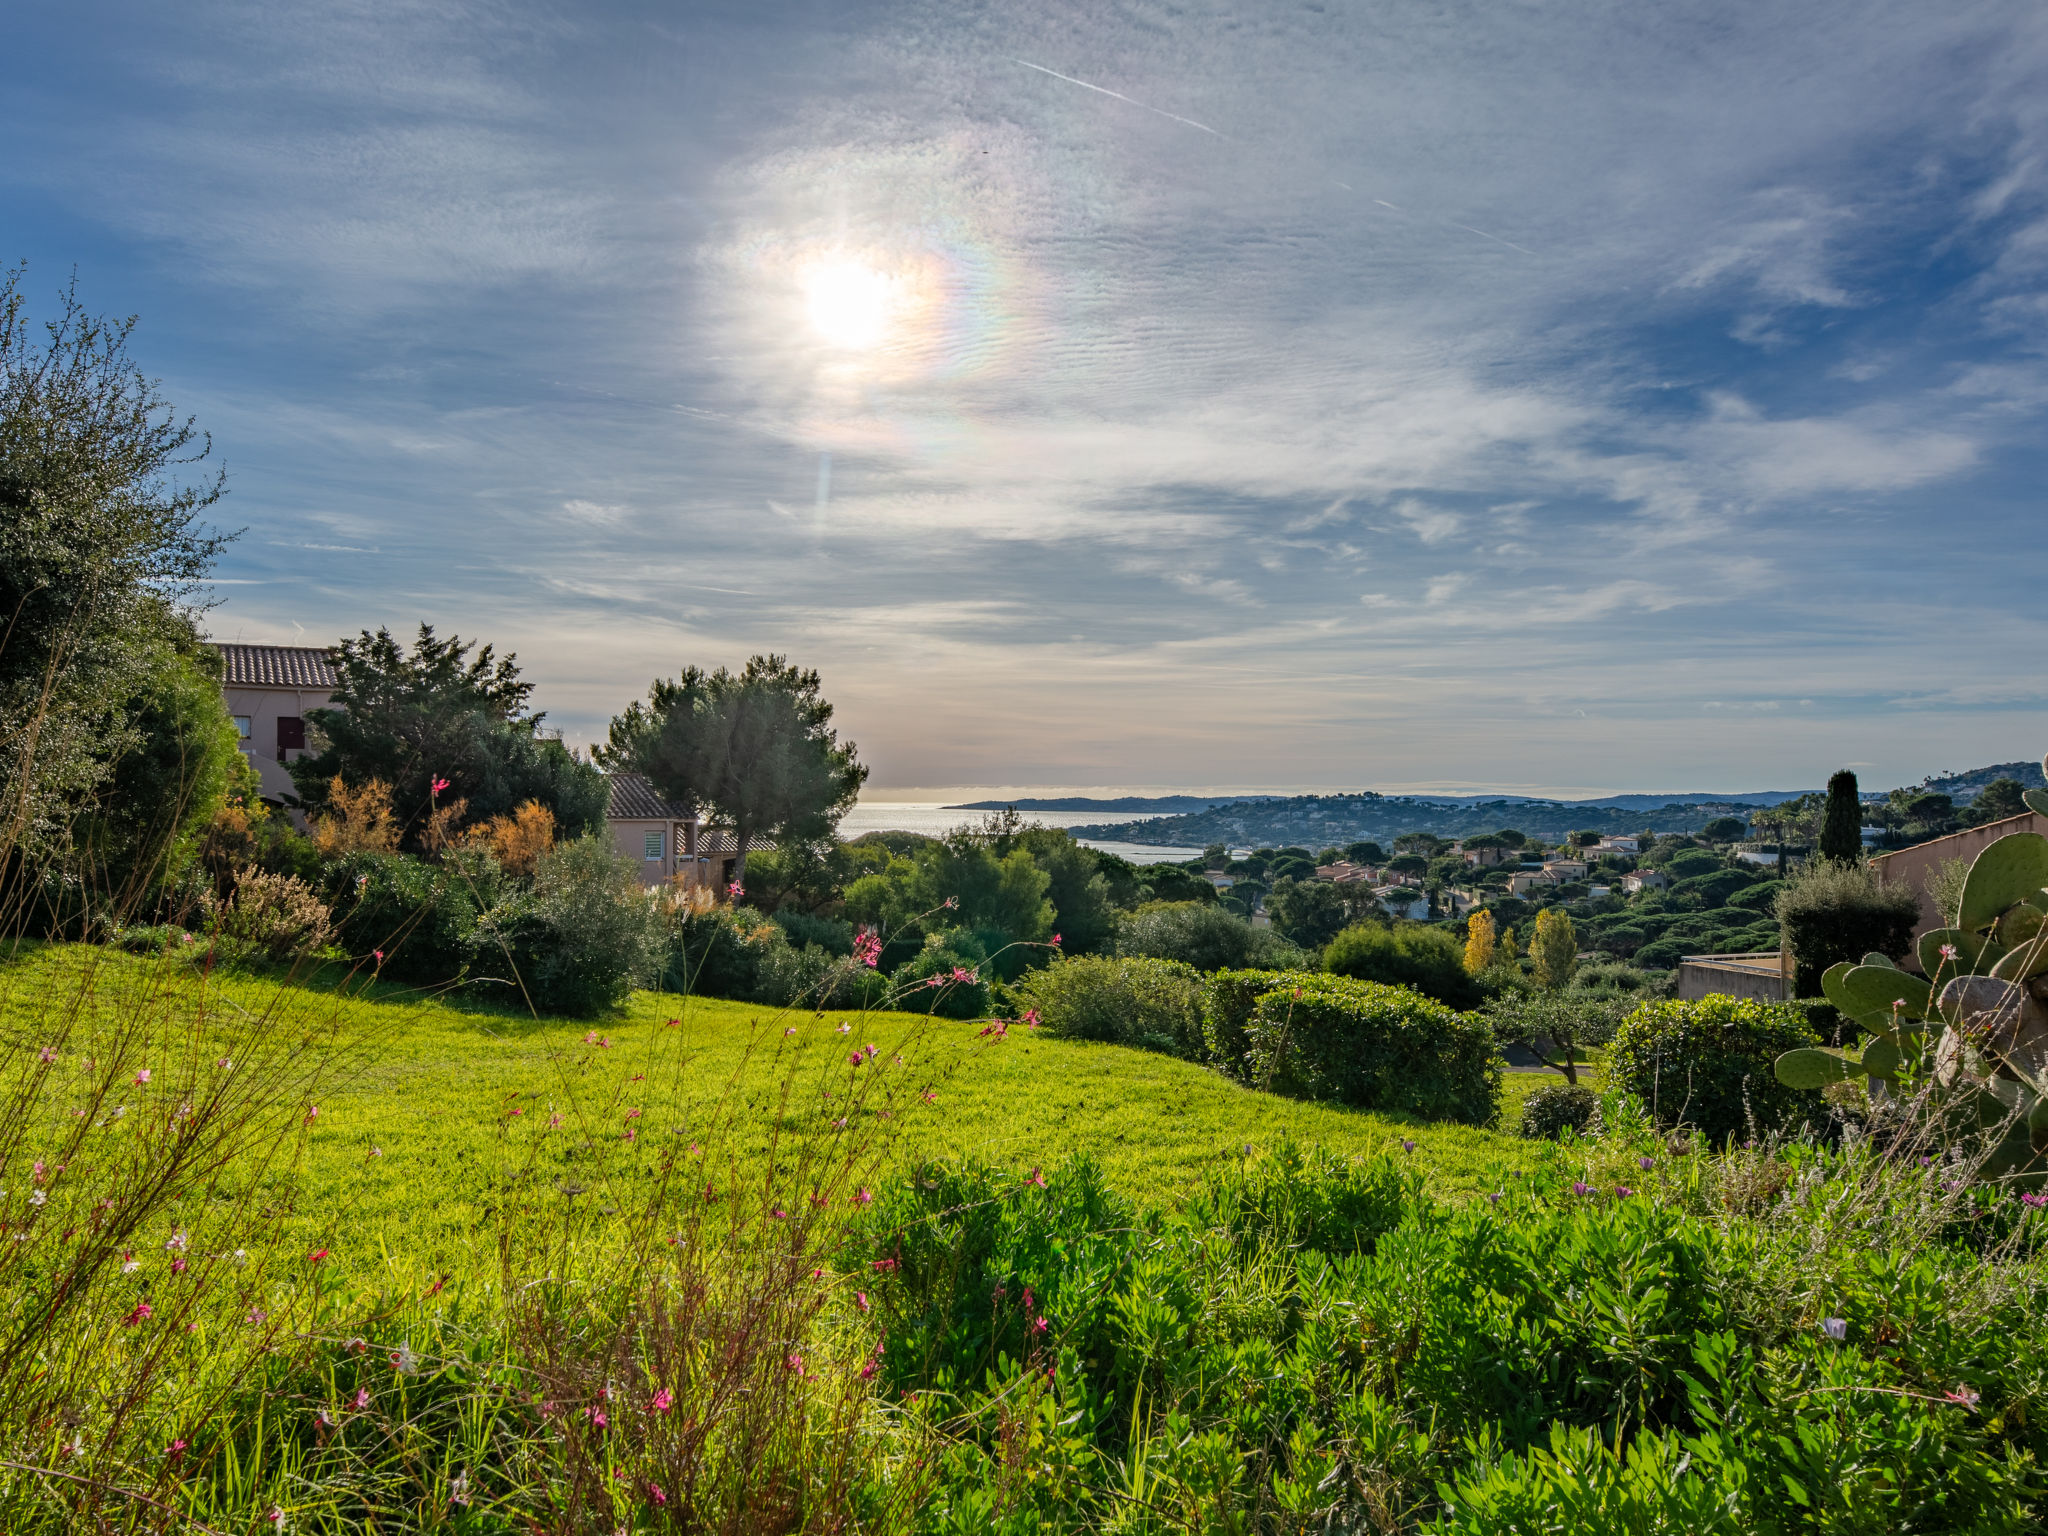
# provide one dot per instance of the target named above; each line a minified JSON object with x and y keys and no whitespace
{"x":850,"y":304}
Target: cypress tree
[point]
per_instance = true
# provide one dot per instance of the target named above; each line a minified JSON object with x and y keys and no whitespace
{"x":1841,"y":831}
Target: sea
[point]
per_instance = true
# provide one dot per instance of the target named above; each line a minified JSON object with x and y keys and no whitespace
{"x":934,"y":819}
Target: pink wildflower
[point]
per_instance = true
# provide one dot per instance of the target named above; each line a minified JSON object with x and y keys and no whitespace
{"x":633,"y":1114}
{"x":316,"y":1255}
{"x":869,"y":1371}
{"x":362,"y":1398}
{"x":175,"y":1449}
{"x":1964,"y":1396}
{"x":1036,"y":1178}
{"x":142,"y":1314}
{"x":654,"y":1492}
{"x":1030,"y":1302}
{"x":1031,"y":1018}
{"x":862,"y":1197}
{"x":663,"y":1400}
{"x":795,"y":1361}
{"x":857,"y":1059}
{"x":1055,"y":941}
{"x":860,"y":1299}
{"x":1039,"y":1325}
{"x":312,"y":1113}
{"x":47,"y":1054}
{"x":886,"y":1266}
{"x":142,"y":1076}
{"x":930,"y":1097}
{"x":789,"y":1031}
{"x":437,"y":786}
{"x":778,"y":1214}
{"x":867,"y":948}
{"x":1948,"y":951}
{"x":596,"y":1417}
{"x":178,"y":1265}
{"x":736,"y":890}
{"x":1622,"y":1191}
{"x":379,"y":954}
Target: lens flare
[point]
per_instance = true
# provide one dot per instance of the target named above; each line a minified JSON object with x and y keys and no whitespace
{"x":851,"y":305}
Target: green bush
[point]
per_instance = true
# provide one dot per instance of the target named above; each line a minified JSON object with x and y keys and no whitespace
{"x":1129,"y":1000}
{"x":1715,"y":888}
{"x":1707,"y":1063}
{"x":1689,"y":862}
{"x":829,"y":934}
{"x":1830,"y":912}
{"x":1761,"y":898}
{"x":721,"y":953}
{"x":1228,"y":998}
{"x":944,"y":978}
{"x":423,"y":917}
{"x":582,"y":935}
{"x":1375,"y":1047}
{"x":1202,"y":935}
{"x":1549,"y":1110}
{"x":1431,"y":960}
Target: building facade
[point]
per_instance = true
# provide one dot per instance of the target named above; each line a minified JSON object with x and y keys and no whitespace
{"x":270,"y":691}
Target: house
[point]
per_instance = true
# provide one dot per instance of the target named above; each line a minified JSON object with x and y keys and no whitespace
{"x":1523,"y":881}
{"x":1645,"y":880}
{"x":1479,"y":858}
{"x":1221,"y":881}
{"x":1561,"y":870}
{"x":666,"y":841}
{"x":658,"y":835}
{"x":1343,"y":872}
{"x":270,"y":690}
{"x":1628,"y":845}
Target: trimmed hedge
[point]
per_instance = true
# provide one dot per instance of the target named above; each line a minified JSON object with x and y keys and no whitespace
{"x":1155,"y":1005}
{"x":1228,"y":998}
{"x":1707,"y":1063}
{"x":1431,"y":960}
{"x":1374,"y":1047}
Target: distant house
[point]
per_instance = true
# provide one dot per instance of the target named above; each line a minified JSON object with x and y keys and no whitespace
{"x":1343,"y":872}
{"x":1221,"y":881}
{"x":1645,"y":880}
{"x":1523,"y":881}
{"x":1620,"y":845}
{"x":1562,"y":870}
{"x":270,"y":690}
{"x":666,"y":841}
{"x":1480,"y":858}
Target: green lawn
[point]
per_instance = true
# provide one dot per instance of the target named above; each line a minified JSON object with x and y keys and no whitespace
{"x":418,"y":1126}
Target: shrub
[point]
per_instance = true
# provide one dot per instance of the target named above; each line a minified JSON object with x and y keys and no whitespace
{"x":1202,"y":935}
{"x":829,"y":934}
{"x":719,"y":952}
{"x":1831,"y":911}
{"x":583,"y":934}
{"x":1129,"y":1000}
{"x":1549,"y":1110}
{"x":1715,"y":888}
{"x":1707,"y":1062}
{"x":276,"y":916}
{"x":1375,"y":1047}
{"x":422,"y":917}
{"x":518,"y":840}
{"x":356,"y":820}
{"x":1431,"y":960}
{"x":1228,"y":998}
{"x":943,"y":978}
{"x":792,"y":974}
{"x":1761,"y":897}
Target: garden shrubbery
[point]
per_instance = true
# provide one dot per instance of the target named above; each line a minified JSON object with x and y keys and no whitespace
{"x":1155,"y":1005}
{"x":1203,"y":935}
{"x":581,"y":935}
{"x":1707,"y":1063}
{"x":1831,"y":912}
{"x":1431,"y":960}
{"x":1374,"y":1047}
{"x":1550,"y":1109}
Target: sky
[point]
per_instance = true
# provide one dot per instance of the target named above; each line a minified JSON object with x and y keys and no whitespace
{"x":1405,"y":392}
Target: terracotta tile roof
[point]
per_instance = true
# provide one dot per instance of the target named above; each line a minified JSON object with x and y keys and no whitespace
{"x":634,"y":799}
{"x":278,"y":666}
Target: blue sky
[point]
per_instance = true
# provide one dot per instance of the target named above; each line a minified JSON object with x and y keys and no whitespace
{"x":1577,"y":395}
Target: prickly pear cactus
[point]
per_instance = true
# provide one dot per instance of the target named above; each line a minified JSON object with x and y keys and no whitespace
{"x":1974,"y":1023}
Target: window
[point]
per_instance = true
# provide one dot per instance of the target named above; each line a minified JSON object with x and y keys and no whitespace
{"x":291,"y":735}
{"x":244,"y":727}
{"x":654,"y":846}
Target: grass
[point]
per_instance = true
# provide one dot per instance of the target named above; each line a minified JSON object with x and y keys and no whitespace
{"x":419,"y":1134}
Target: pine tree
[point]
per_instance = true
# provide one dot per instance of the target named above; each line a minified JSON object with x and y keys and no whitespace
{"x":1554,"y":949}
{"x":1841,"y":829}
{"x":1479,"y":941}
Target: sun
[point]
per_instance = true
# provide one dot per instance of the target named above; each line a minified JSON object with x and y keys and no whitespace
{"x":850,"y":304}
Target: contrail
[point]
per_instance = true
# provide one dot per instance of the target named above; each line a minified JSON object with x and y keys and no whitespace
{"x":1119,"y":95}
{"x":1496,"y":239}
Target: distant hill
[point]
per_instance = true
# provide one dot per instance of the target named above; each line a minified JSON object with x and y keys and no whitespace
{"x":1632,"y":802}
{"x":1153,"y":805}
{"x":1964,"y":787}
{"x":1322,"y":821}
